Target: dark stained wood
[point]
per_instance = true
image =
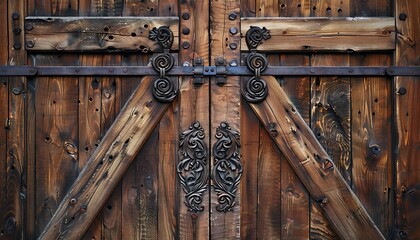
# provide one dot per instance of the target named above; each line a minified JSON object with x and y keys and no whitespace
{"x":295,"y":198}
{"x":107,"y":164}
{"x":225,"y":105}
{"x":96,"y":33}
{"x":407,"y":115}
{"x":313,"y":166}
{"x":293,"y":8}
{"x":371,"y":8}
{"x":194,"y":105}
{"x":324,"y":34}
{"x":371,"y":141}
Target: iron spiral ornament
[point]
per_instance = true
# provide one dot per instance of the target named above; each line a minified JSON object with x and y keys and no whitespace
{"x":255,"y":35}
{"x":192,"y":169}
{"x":227,"y":171}
{"x":163,"y":35}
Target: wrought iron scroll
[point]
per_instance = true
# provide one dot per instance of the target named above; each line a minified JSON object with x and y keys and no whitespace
{"x":192,"y":169}
{"x":255,"y":89}
{"x":163,"y":87}
{"x":227,"y":171}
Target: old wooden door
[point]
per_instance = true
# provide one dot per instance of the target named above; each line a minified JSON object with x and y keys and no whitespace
{"x":222,"y":156}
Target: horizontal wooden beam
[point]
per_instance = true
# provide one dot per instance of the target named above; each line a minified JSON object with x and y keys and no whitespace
{"x":96,"y":33}
{"x":324,"y":34}
{"x":107,"y":165}
{"x":313,"y":165}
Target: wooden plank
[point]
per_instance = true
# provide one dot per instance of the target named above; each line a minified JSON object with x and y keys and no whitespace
{"x":407,"y":115}
{"x":194,"y":105}
{"x":324,"y":34}
{"x":107,"y":165}
{"x":313,"y":166}
{"x":168,"y":187}
{"x":225,"y":107}
{"x":96,"y":33}
{"x":295,"y":212}
{"x":371,"y":142}
{"x":293,"y":8}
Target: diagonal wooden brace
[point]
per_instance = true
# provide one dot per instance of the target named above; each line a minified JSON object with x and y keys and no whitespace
{"x":107,"y":165}
{"x":313,"y":165}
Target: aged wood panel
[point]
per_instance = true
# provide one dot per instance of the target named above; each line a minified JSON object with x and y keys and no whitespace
{"x":194,"y":104}
{"x":225,"y":107}
{"x":324,"y":34}
{"x":407,"y":123}
{"x":107,"y":164}
{"x":313,"y":166}
{"x":371,"y":142}
{"x":96,"y":33}
{"x":168,"y":188}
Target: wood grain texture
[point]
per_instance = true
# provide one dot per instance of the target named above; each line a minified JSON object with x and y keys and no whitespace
{"x":4,"y":106}
{"x":295,"y":198}
{"x":107,"y":164}
{"x":96,"y":33}
{"x":194,"y":105}
{"x":225,"y":105}
{"x":407,"y":115}
{"x":371,"y":142}
{"x":324,"y":34}
{"x":313,"y":166}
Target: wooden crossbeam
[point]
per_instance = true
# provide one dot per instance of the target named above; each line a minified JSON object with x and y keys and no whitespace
{"x":324,"y":34}
{"x":107,"y":165}
{"x":95,"y":33}
{"x":313,"y":165}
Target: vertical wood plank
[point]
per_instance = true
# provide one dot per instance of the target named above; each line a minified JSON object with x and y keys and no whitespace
{"x":295,"y":198}
{"x":194,"y":104}
{"x":225,"y":105}
{"x":371,"y":142}
{"x":407,"y":115}
{"x":372,"y":8}
{"x":168,"y":190}
{"x":4,"y":94}
{"x":56,"y":104}
{"x":330,"y":111}
{"x":16,"y":166}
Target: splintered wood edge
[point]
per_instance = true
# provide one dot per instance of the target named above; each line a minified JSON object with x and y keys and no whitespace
{"x":84,"y":34}
{"x":323,"y":34}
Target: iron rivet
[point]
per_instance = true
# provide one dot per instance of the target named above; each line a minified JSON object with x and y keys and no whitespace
{"x":29,"y":27}
{"x":233,"y":30}
{"x":77,"y":70}
{"x":233,"y":63}
{"x":351,"y":70}
{"x":17,"y":30}
{"x":185,"y":16}
{"x":232,"y":16}
{"x":30,"y":44}
{"x":17,"y":45}
{"x":233,"y":46}
{"x":325,"y":200}
{"x":185,"y":31}
{"x":402,"y":16}
{"x":312,"y":70}
{"x":402,"y":91}
{"x":125,"y":70}
{"x":111,"y":70}
{"x":185,"y":45}
{"x":16,"y":91}
{"x":15,"y":16}
{"x":32,"y":70}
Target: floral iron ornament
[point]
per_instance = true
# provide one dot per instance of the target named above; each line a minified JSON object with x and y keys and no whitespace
{"x":192,"y":169}
{"x":255,"y":89}
{"x":163,"y":87}
{"x":227,"y":171}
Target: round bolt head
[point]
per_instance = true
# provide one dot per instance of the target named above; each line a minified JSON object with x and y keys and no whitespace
{"x":233,"y":30}
{"x":402,"y":16}
{"x":185,"y":31}
{"x":15,"y":16}
{"x":402,"y":91}
{"x":185,"y":16}
{"x":17,"y":31}
{"x":233,"y":46}
{"x":29,"y":27}
{"x":185,"y":45}
{"x":232,"y":16}
{"x":17,"y":45}
{"x":30,"y":44}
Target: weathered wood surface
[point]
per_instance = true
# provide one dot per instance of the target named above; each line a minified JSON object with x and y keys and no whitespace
{"x":95,"y":33}
{"x":107,"y":165}
{"x":407,"y":124}
{"x":313,"y":166}
{"x":324,"y":34}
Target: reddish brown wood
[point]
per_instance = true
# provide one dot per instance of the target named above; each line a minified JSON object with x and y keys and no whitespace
{"x":407,"y":115}
{"x":313,"y":166}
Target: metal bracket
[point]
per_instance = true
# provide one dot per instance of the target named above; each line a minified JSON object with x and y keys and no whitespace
{"x":200,"y":71}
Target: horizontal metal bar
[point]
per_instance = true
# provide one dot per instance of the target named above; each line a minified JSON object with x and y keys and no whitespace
{"x":207,"y":71}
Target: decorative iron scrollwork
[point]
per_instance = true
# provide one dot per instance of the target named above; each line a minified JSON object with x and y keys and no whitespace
{"x":255,"y":89}
{"x":163,"y":87}
{"x":227,"y":171}
{"x":255,"y":35}
{"x":192,"y":169}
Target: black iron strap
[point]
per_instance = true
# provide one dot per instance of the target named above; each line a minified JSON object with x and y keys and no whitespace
{"x":206,"y":71}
